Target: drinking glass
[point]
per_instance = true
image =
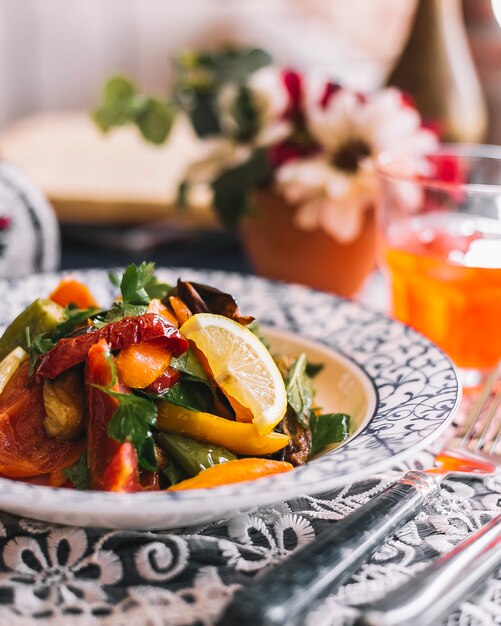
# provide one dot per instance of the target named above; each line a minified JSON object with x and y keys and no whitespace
{"x":439,"y":245}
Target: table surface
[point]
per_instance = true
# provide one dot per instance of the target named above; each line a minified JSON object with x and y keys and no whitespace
{"x":212,"y":250}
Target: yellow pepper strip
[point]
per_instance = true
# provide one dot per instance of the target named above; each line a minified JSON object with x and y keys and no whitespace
{"x":238,"y":437}
{"x":232,"y":472}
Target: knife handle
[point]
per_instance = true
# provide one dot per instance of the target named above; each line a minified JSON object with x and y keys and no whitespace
{"x":435,"y":591}
{"x":285,"y":593}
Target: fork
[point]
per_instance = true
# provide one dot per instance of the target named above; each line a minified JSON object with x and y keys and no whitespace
{"x":284,"y":594}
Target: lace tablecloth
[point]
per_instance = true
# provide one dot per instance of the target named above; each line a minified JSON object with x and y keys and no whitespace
{"x":73,"y":576}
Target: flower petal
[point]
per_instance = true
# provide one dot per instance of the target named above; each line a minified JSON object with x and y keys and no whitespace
{"x":24,"y":555}
{"x":66,"y":546}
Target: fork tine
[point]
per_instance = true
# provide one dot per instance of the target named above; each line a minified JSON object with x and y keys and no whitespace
{"x":496,"y":404}
{"x":493,"y":408}
{"x":479,"y":405}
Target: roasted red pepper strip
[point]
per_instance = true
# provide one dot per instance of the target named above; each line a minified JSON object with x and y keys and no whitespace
{"x":127,"y":331}
{"x":121,"y":474}
{"x":112,"y":466}
{"x":165,"y":381}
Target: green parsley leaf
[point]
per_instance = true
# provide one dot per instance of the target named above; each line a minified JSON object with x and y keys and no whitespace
{"x":79,"y":473}
{"x":137,"y":285}
{"x":133,"y":283}
{"x":189,"y":364}
{"x":328,"y":428}
{"x":74,"y":317}
{"x":300,"y":390}
{"x":132,"y":421}
{"x":156,"y":289}
{"x":192,"y":395}
{"x":37,"y":347}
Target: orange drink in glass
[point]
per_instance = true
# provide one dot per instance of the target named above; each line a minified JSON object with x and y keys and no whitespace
{"x":440,"y":247}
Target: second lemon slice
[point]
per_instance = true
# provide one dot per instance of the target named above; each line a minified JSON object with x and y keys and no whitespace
{"x":241,"y":366}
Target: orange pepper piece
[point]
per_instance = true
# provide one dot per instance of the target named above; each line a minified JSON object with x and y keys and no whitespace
{"x":236,"y":471}
{"x":181,"y":311}
{"x":141,"y":364}
{"x":71,"y":291}
{"x":156,"y":306}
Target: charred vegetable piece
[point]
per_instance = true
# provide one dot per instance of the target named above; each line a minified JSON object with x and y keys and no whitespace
{"x":193,"y":456}
{"x":235,"y":436}
{"x":26,"y":450}
{"x":112,"y":465}
{"x":298,"y":451}
{"x":164,"y":382}
{"x":233,"y":472}
{"x":126,"y":332}
{"x":64,"y":401}
{"x":72,"y":292}
{"x":205,"y":299}
{"x":41,"y":316}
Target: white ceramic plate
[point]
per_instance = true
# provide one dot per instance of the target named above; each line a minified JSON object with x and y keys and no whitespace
{"x":400,"y":389}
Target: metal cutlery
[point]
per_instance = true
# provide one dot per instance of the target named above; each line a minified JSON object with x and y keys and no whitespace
{"x":287,"y":592}
{"x":430,"y":595}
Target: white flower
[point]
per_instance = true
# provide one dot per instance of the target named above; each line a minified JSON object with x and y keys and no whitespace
{"x":62,"y":575}
{"x":335,"y":188}
{"x":268,"y":99}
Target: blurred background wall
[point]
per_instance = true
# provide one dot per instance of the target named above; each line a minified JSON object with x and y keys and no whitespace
{"x":56,"y":54}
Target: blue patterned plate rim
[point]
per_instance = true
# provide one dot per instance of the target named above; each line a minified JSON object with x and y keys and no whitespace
{"x":416,"y":384}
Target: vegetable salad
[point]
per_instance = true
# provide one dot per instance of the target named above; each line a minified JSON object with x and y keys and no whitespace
{"x":169,"y":388}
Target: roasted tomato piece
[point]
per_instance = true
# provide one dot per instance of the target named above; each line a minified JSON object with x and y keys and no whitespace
{"x":25,"y":448}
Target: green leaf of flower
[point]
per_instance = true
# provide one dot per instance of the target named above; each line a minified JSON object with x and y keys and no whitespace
{"x":155,"y":120}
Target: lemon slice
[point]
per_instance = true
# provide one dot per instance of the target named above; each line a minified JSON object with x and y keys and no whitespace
{"x":241,"y":366}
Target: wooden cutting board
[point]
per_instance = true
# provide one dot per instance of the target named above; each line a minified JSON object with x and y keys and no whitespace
{"x":90,"y":177}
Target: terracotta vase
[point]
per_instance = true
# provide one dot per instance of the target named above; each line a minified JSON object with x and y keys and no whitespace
{"x":279,"y":250}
